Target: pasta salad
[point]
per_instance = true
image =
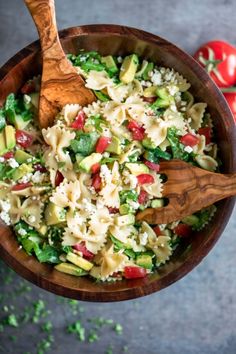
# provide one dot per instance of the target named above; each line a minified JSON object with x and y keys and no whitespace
{"x":71,"y":191}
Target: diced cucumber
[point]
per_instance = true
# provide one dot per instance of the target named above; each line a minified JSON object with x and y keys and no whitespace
{"x":79,"y":261}
{"x":157,"y":203}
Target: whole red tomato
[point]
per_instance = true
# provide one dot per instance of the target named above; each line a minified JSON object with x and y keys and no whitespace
{"x":219,"y":59}
{"x":231,"y":99}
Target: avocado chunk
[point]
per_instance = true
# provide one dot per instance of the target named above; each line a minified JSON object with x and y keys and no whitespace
{"x":21,"y":171}
{"x":70,"y":269}
{"x":148,"y":144}
{"x":20,"y":123}
{"x":126,"y":209}
{"x":144,"y":261}
{"x":190,"y":220}
{"x":79,"y":261}
{"x":157,"y":203}
{"x":123,"y":220}
{"x":148,"y":69}
{"x":150,"y":91}
{"x":22,"y":156}
{"x":142,"y":69}
{"x":128,"y":68}
{"x":89,"y":161}
{"x":3,"y":148}
{"x":54,"y":214}
{"x":110,"y":63}
{"x":9,"y":132}
{"x":137,"y":168}
{"x":115,"y":146}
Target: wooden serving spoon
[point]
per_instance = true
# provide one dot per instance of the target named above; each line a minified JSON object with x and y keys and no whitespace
{"x":188,"y":190}
{"x":60,"y":82}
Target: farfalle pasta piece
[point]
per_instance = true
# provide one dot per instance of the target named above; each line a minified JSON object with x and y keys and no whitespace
{"x":154,"y":189}
{"x":67,"y":194}
{"x":182,"y":83}
{"x":196,"y":113}
{"x":156,"y":130}
{"x":58,"y":139}
{"x":30,"y":210}
{"x":69,"y":112}
{"x":162,"y":249}
{"x":174,"y":119}
{"x":93,"y":109}
{"x":109,"y":261}
{"x":98,"y":80}
{"x":207,"y":162}
{"x":131,"y":149}
{"x":100,"y":221}
{"x":111,"y":186}
{"x":118,"y":92}
{"x":200,"y":147}
{"x":122,"y":233}
{"x":114,"y":113}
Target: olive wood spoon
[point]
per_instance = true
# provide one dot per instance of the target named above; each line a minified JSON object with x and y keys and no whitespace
{"x":60,"y":82}
{"x":188,"y":190}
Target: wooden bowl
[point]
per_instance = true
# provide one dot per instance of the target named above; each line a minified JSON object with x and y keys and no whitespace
{"x":120,"y":40}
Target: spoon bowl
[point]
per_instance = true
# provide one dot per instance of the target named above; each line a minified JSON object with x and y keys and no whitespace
{"x":120,"y":40}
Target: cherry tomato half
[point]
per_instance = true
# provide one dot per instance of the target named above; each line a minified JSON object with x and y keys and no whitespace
{"x":183,"y":230}
{"x":24,"y":139}
{"x":132,"y":272}
{"x":83,"y":249}
{"x":102,"y":144}
{"x":145,"y":178}
{"x":189,"y":140}
{"x":79,"y":121}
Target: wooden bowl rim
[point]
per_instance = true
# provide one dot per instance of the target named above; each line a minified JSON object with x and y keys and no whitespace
{"x":190,"y":263}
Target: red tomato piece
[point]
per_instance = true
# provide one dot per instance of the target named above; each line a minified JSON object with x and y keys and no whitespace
{"x":132,"y":272}
{"x":157,"y":230}
{"x":143,"y":197}
{"x":97,"y":182}
{"x":206,"y":132}
{"x":28,"y":87}
{"x":153,"y":166}
{"x":219,"y":59}
{"x":83,"y":249}
{"x":20,"y":186}
{"x":113,"y":210}
{"x":138,"y":134}
{"x":59,"y":178}
{"x":132,"y":125}
{"x":24,"y":139}
{"x":145,"y":178}
{"x":183,"y":230}
{"x":39,"y":167}
{"x":79,"y":121}
{"x":102,"y":144}
{"x":95,"y":168}
{"x":231,"y":99}
{"x":8,"y":155}
{"x":189,"y":140}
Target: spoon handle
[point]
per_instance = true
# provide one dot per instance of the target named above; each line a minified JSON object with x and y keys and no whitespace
{"x":43,"y":14}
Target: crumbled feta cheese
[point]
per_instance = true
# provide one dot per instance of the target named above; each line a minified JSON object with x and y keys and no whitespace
{"x":173,"y":90}
{"x":106,"y":154}
{"x":12,"y":163}
{"x":2,"y":159}
{"x":22,"y":232}
{"x":143,"y":238}
{"x":156,"y":78}
{"x":105,"y":173}
{"x":133,"y":204}
{"x":162,"y":226}
{"x":119,"y":59}
{"x":5,"y":217}
{"x":37,"y":177}
{"x":5,"y":205}
{"x":188,"y":149}
{"x":26,"y":178}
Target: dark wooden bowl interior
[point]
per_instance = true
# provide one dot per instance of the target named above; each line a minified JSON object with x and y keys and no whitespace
{"x":111,"y":39}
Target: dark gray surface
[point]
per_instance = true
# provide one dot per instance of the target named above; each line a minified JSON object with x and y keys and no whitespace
{"x":197,"y":314}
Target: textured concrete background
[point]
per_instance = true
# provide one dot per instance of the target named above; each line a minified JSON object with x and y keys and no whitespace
{"x":197,"y":314}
